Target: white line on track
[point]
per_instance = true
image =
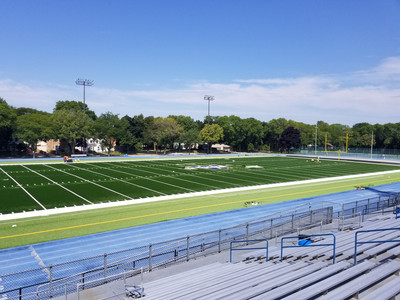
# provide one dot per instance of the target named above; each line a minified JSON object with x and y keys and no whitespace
{"x":56,"y":183}
{"x":180,"y":196}
{"x":86,"y":180}
{"x":23,"y":189}
{"x":127,"y":182}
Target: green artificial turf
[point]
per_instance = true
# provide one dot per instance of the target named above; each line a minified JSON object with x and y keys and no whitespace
{"x":59,"y":185}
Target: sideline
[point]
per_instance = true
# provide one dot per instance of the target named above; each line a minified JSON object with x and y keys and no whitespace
{"x":54,"y":211}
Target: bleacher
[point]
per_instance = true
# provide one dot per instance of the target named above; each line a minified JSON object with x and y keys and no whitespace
{"x":304,"y":273}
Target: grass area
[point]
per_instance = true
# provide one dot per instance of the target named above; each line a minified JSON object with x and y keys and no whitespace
{"x":32,"y":187}
{"x":48,"y":228}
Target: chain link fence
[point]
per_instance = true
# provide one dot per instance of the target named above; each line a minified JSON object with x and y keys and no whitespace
{"x":61,"y":279}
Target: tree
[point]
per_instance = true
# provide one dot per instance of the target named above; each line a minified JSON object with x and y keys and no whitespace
{"x":211,"y":134}
{"x":71,"y":125}
{"x":32,"y":128}
{"x":166,"y":131}
{"x":109,"y":128}
{"x":190,"y":138}
{"x":290,"y":138}
{"x":75,"y":106}
{"x":7,"y":123}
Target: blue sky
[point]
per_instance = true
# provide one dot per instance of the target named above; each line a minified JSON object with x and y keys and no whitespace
{"x":332,"y":60}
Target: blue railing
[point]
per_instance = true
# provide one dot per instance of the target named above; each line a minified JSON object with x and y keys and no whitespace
{"x":246,"y":241}
{"x":306,"y":241}
{"x":356,"y":242}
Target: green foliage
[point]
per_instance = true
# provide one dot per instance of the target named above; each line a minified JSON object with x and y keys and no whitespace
{"x":211,"y":134}
{"x":109,"y":128}
{"x":75,"y":106}
{"x":71,"y":125}
{"x":34,"y":127}
{"x":8,"y":118}
{"x":290,"y":138}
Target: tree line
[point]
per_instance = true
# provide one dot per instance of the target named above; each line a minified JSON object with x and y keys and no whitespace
{"x":72,"y":121}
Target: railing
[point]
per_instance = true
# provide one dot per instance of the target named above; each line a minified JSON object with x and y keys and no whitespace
{"x":169,"y":252}
{"x":309,"y":242}
{"x":160,"y":254}
{"x":252,"y":248}
{"x":356,"y":242}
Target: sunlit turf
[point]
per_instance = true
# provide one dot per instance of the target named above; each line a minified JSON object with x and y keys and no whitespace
{"x":48,"y":228}
{"x":57,"y":185}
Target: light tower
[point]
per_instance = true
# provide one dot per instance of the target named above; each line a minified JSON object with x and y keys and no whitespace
{"x":84,"y":82}
{"x":209,"y":99}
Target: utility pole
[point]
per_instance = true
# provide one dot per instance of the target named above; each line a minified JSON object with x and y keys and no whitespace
{"x":316,"y":137}
{"x":209,"y":99}
{"x":372,"y":143}
{"x":84,"y":82}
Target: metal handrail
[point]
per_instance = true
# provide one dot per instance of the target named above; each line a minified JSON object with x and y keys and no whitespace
{"x":310,"y":245}
{"x":356,"y":242}
{"x":247,"y":241}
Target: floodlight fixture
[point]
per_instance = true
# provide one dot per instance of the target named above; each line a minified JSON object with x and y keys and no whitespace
{"x":84,"y":82}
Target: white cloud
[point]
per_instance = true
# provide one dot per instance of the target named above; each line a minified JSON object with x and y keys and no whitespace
{"x":363,"y":96}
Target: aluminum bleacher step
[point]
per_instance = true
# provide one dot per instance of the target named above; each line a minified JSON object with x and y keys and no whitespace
{"x":386,"y":291}
{"x":254,"y":291}
{"x":362,"y":282}
{"x":326,"y":284}
{"x":298,"y":284}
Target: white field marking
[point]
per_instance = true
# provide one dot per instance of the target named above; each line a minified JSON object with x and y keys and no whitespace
{"x":181,"y":196}
{"x":147,"y":178}
{"x":194,"y":175}
{"x":103,"y":187}
{"x":177,"y":178}
{"x":23,"y":189}
{"x":79,"y":196}
{"x":127,"y":182}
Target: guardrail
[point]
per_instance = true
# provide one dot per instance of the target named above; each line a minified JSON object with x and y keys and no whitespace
{"x":253,"y":248}
{"x":169,"y":252}
{"x":356,"y":242}
{"x":302,"y":238}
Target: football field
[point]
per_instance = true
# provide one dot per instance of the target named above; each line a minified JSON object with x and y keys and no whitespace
{"x":28,"y":187}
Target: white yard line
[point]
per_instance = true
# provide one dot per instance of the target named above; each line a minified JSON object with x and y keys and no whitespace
{"x":147,"y":178}
{"x":198,"y":176}
{"x":23,"y":189}
{"x":127,"y":182}
{"x":56,"y":183}
{"x":103,"y":187}
{"x":188,"y":195}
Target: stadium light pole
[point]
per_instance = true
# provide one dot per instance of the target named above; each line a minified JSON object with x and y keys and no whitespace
{"x":84,"y":82}
{"x":209,"y":99}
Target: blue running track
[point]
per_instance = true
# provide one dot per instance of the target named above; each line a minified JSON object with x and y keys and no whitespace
{"x":49,"y":253}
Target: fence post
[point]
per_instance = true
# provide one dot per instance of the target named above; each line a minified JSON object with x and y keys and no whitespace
{"x":187,"y":248}
{"x":292,"y":222}
{"x":51,"y":280}
{"x":247,"y":232}
{"x":105,"y":265}
{"x":272,"y":220}
{"x":342,"y":209}
{"x":219,"y":241}
{"x":150,"y":250}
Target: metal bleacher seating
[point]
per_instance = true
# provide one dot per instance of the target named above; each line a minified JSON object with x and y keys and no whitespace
{"x":305,"y":273}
